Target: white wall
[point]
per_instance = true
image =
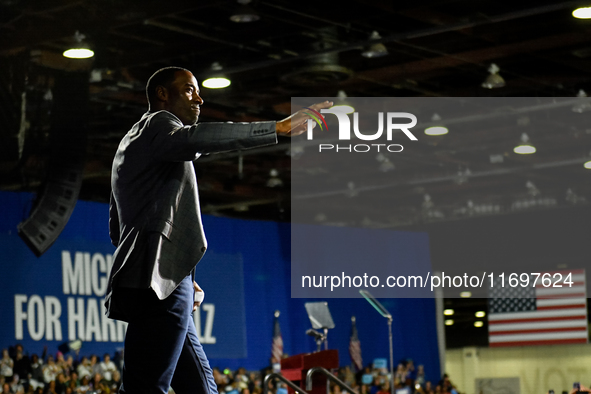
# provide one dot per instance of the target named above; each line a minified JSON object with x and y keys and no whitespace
{"x":539,"y":368}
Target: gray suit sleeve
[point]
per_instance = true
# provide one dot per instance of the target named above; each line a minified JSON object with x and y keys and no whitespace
{"x":171,"y":141}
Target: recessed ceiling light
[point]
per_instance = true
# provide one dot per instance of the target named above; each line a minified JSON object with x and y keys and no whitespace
{"x":480,"y":314}
{"x":345,"y":108}
{"x":466,"y":294}
{"x":375,"y":50}
{"x":343,"y":103}
{"x":448,"y":312}
{"x":525,"y":147}
{"x":588,"y":165}
{"x":478,"y":324}
{"x":494,"y":80}
{"x":436,"y":130}
{"x":582,"y":13}
{"x":216,"y":83}
{"x":585,"y":103}
{"x":244,"y":13}
{"x":78,"y":53}
{"x":449,"y":322}
{"x":80,"y":48}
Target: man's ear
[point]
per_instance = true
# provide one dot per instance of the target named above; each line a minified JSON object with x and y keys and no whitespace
{"x":161,"y":93}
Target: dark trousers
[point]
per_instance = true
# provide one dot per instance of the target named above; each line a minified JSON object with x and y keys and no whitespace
{"x":161,"y":344}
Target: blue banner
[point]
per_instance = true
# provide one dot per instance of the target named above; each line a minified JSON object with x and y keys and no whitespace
{"x":59,"y":296}
{"x":245,"y":275}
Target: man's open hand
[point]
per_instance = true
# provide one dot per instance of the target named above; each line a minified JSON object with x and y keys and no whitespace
{"x":296,"y":124}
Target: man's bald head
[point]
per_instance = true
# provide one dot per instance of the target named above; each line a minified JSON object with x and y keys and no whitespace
{"x":163,"y":77}
{"x":175,"y":89}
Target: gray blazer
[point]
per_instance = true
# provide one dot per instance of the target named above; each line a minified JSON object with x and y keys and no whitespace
{"x":154,"y":215}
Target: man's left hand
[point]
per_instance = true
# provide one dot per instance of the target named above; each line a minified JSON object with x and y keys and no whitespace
{"x":296,"y":123}
{"x":197,"y":290}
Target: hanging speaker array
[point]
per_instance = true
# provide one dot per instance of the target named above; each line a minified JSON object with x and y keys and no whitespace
{"x":57,"y":196}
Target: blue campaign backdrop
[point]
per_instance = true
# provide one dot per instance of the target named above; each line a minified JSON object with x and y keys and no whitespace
{"x":246,"y":277}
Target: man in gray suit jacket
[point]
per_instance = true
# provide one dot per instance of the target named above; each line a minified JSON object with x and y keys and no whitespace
{"x":155,"y":222}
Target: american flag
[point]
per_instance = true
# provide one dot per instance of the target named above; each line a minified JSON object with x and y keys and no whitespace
{"x":355,"y":346}
{"x":521,"y":316}
{"x":277,"y":346}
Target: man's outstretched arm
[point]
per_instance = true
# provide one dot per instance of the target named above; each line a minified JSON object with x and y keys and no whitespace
{"x":170,"y":140}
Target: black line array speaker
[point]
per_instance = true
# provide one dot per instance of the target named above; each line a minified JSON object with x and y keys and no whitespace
{"x":58,"y":194}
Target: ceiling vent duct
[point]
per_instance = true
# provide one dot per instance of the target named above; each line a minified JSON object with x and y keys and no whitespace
{"x":323,"y":69}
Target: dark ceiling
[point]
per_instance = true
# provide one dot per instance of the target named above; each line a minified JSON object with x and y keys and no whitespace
{"x":310,"y":49}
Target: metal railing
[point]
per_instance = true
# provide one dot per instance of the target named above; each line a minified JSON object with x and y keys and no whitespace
{"x":329,"y":375}
{"x":274,"y":375}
